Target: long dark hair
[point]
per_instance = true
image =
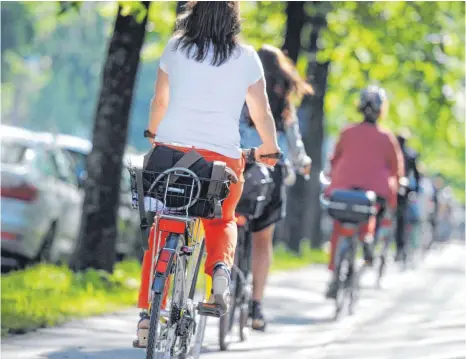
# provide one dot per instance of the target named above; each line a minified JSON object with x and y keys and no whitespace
{"x":206,"y":23}
{"x":283,"y":82}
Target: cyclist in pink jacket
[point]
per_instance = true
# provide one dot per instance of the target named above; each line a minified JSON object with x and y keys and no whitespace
{"x":366,"y":157}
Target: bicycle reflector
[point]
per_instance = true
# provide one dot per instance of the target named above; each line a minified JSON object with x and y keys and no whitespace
{"x":163,"y":260}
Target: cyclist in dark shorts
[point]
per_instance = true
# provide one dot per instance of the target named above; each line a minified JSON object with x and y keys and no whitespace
{"x":414,"y":177}
{"x":282,"y":81}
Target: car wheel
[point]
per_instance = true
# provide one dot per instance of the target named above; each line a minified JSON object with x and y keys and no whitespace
{"x":45,"y":252}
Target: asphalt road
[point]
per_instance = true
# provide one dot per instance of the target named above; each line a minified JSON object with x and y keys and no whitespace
{"x":419,"y":314}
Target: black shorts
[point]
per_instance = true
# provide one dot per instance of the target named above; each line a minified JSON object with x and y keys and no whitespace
{"x":276,"y":208}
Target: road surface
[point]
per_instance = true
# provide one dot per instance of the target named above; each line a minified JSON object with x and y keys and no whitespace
{"x":418,"y":314}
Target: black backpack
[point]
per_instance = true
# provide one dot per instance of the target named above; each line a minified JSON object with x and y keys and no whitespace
{"x":257,"y":190}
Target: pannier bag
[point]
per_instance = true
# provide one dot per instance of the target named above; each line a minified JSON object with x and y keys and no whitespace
{"x":257,"y":188}
{"x":178,"y":191}
{"x":352,"y":206}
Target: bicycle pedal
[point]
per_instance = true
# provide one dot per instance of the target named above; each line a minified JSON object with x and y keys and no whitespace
{"x":210,"y":310}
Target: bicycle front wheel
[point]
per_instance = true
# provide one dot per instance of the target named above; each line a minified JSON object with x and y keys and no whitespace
{"x":167,"y":301}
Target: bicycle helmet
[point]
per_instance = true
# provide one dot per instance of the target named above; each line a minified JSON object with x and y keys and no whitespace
{"x":371,"y":102}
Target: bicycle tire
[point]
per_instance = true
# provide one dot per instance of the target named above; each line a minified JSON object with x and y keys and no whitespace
{"x":343,"y":257}
{"x":226,"y":321}
{"x":355,"y":274}
{"x":194,"y":351}
{"x":173,"y":242}
{"x":200,"y":333}
{"x":246,"y":293}
{"x":243,"y":322}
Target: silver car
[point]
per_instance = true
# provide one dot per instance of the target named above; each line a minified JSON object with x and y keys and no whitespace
{"x":40,"y":199}
{"x":128,"y":241}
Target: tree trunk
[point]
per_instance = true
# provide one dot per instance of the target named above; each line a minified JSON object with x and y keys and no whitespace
{"x":313,"y":108}
{"x":292,"y":46}
{"x":97,"y":239}
{"x":295,"y":17}
{"x":179,"y":7}
{"x":304,"y":212}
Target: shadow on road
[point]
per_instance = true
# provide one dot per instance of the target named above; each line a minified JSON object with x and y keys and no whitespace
{"x":294,"y":320}
{"x":79,"y":353}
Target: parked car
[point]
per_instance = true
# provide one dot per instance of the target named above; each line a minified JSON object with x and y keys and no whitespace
{"x":128,"y":243}
{"x":40,"y":199}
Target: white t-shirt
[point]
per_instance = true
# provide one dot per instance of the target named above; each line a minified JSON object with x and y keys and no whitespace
{"x":205,"y":100}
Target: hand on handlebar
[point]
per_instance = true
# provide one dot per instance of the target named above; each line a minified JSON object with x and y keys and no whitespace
{"x":305,"y":169}
{"x":264,"y":150}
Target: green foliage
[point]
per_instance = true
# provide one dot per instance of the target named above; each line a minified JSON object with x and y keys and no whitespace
{"x":263,"y":22}
{"x":46,"y":295}
{"x":51,"y":65}
{"x":415,"y":50}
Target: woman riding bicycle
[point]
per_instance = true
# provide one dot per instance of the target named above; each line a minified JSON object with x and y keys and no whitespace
{"x":283,"y":82}
{"x":205,"y":75}
{"x":369,"y":158}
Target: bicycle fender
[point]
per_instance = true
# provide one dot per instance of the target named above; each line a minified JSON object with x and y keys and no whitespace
{"x":164,"y":263}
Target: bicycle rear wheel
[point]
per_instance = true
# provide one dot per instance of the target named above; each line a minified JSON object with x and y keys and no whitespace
{"x":343,"y":273}
{"x":165,"y":311}
{"x":246,"y":292}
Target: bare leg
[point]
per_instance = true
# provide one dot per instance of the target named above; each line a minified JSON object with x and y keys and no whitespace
{"x":262,"y":252}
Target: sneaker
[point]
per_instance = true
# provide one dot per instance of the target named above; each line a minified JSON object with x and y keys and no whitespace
{"x":332,"y":289}
{"x":258,"y":320}
{"x":221,"y":286}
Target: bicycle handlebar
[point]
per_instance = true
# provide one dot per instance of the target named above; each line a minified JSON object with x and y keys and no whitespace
{"x":324,"y":201}
{"x":250,"y":155}
{"x":324,"y":180}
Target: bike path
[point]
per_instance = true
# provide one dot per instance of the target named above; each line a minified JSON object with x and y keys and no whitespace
{"x":418,"y":314}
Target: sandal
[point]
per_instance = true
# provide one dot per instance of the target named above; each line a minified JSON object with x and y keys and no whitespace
{"x":143,"y":331}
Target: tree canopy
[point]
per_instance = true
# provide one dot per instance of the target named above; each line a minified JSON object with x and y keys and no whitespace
{"x":415,"y":50}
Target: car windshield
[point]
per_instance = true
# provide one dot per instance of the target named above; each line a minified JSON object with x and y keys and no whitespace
{"x":79,"y":159}
{"x":12,"y":152}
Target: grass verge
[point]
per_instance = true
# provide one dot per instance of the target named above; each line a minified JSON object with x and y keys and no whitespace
{"x":46,"y":295}
{"x":286,"y":260}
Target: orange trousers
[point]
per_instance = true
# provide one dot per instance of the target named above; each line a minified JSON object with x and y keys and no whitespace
{"x":220,"y":233}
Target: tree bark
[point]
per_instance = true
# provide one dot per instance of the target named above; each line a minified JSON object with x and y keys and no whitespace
{"x":292,"y":46}
{"x":313,"y":108}
{"x":179,"y":7}
{"x":304,"y":212}
{"x":295,"y":18}
{"x":97,"y":239}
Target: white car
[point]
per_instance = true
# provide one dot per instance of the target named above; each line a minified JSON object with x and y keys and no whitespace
{"x":128,"y":240}
{"x":40,"y":199}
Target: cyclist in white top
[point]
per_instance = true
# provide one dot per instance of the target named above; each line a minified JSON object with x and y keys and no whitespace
{"x":204,"y":78}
